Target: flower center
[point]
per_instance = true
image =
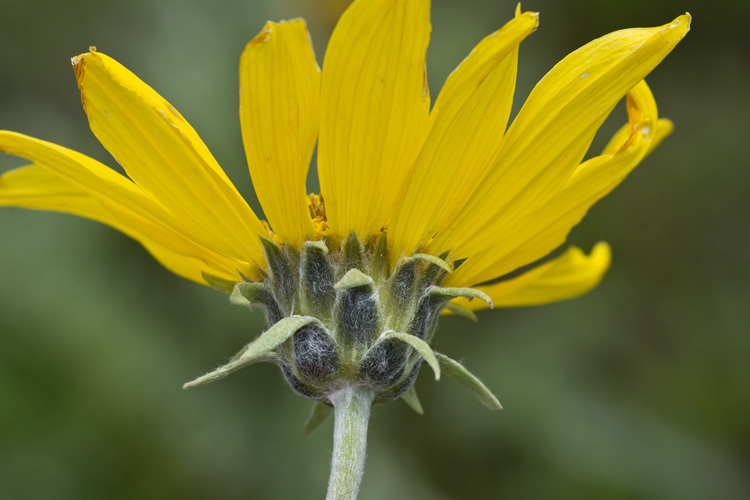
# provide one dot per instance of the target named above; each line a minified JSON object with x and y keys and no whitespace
{"x":317,"y":207}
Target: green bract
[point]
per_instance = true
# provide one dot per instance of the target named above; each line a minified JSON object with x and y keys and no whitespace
{"x":338,"y":318}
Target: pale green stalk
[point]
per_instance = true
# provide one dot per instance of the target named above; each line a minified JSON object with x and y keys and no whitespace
{"x":351,"y":412}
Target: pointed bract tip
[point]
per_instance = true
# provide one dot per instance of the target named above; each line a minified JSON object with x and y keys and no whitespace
{"x":316,"y":244}
{"x":353,"y":278}
{"x":483,"y":296}
{"x":432,"y":260}
{"x":188,"y":385}
{"x":221,"y":284}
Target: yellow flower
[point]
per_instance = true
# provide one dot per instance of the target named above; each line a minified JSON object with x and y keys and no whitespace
{"x":417,"y":203}
{"x":445,"y":181}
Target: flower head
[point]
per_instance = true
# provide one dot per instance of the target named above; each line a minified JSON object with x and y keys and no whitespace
{"x":416,"y":203}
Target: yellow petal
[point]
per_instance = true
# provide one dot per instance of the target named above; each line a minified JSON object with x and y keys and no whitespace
{"x":466,"y":127}
{"x":553,"y":130}
{"x":664,"y":127}
{"x":162,"y":153}
{"x":546,"y":229}
{"x":279,"y":96}
{"x":37,"y":187}
{"x":570,"y":275}
{"x":374,"y":110}
{"x":70,"y":182}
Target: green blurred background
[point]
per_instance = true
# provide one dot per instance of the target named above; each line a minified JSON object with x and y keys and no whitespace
{"x":638,"y":390}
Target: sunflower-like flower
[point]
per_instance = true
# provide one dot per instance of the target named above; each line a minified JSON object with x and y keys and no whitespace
{"x":417,"y":203}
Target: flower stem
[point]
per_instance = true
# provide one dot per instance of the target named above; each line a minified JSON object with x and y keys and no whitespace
{"x":351,"y":412}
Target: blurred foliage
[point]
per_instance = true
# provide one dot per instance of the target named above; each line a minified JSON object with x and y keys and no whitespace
{"x":638,"y":390}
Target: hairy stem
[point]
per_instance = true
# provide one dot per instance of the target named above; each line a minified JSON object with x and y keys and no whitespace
{"x":352,"y":412}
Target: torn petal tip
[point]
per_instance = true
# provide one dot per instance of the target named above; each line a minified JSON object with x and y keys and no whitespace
{"x":677,"y":30}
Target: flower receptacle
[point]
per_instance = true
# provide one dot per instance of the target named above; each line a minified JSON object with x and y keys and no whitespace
{"x":340,"y":317}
